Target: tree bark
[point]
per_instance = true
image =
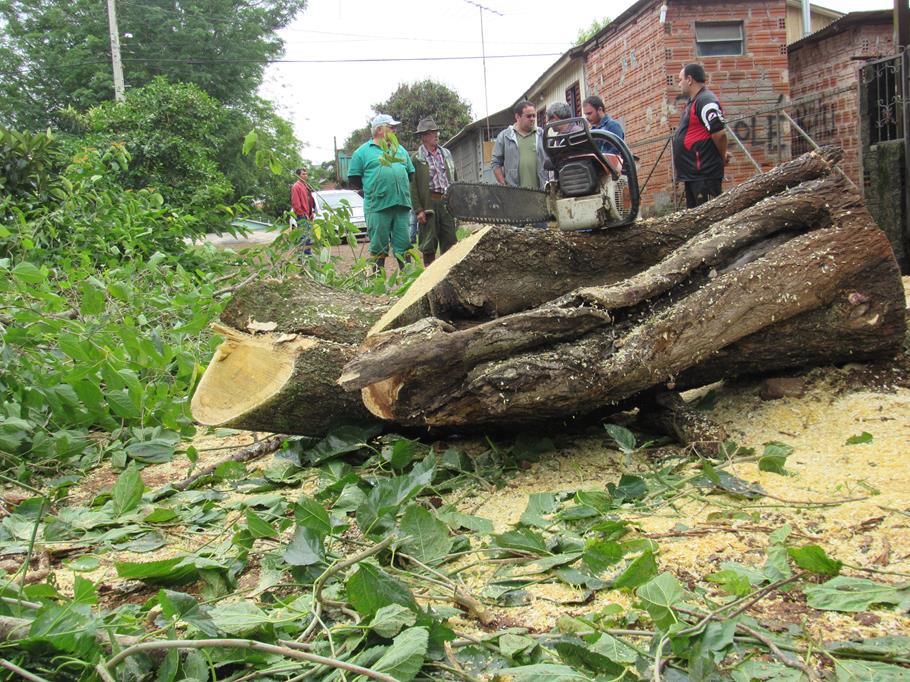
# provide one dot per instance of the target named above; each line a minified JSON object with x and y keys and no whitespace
{"x":502,"y":270}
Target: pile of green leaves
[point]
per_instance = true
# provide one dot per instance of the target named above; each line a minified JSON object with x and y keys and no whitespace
{"x":364,"y":569}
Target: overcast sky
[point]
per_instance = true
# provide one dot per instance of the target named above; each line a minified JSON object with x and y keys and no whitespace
{"x":332,"y":99}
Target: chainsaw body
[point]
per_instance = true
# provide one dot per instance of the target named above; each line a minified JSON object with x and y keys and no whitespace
{"x":591,"y":189}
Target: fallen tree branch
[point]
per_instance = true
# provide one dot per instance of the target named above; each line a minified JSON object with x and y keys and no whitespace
{"x":254,"y":451}
{"x":105,"y":669}
{"x":21,"y":672}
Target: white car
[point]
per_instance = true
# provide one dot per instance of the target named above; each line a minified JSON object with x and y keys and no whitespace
{"x":335,"y":199}
{"x":259,"y":233}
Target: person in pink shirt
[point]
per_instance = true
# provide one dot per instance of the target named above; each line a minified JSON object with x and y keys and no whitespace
{"x":303,"y":203}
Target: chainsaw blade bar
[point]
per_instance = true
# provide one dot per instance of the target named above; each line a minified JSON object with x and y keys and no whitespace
{"x":486,"y":203}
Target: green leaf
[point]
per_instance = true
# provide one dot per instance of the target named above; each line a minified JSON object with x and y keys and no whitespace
{"x":774,"y":457}
{"x":127,"y":491}
{"x":405,"y":657}
{"x":239,"y":618}
{"x":544,"y":672}
{"x":160,"y":515}
{"x":428,"y":539}
{"x":614,"y":649}
{"x":249,"y":141}
{"x":174,"y":571}
{"x":258,"y":527}
{"x":522,"y":540}
{"x":28,"y":273}
{"x":179,"y":606}
{"x":630,"y":488}
{"x":306,"y":548}
{"x":512,"y":645}
{"x":579,"y":656}
{"x":864,"y":437}
{"x":624,"y":439}
{"x":866,"y":671}
{"x":638,"y":572}
{"x":731,"y":582}
{"x":401,"y":453}
{"x":539,"y":505}
{"x":85,"y":563}
{"x":167,"y":670}
{"x":370,"y":588}
{"x":724,"y":482}
{"x":389,"y":620}
{"x":659,"y":596}
{"x":310,"y":514}
{"x":121,"y":404}
{"x":154,"y":451}
{"x":887,"y":646}
{"x":601,"y":554}
{"x":341,"y":440}
{"x":92,"y":297}
{"x":455,"y":520}
{"x":852,"y":594}
{"x":813,"y":558}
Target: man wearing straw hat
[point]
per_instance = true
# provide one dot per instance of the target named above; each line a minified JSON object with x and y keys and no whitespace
{"x":434,"y":172}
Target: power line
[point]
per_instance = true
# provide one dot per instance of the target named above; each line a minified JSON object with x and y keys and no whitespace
{"x":197,"y":60}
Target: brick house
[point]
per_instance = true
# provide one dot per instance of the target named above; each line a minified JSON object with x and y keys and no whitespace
{"x":824,"y":70}
{"x":634,"y":64}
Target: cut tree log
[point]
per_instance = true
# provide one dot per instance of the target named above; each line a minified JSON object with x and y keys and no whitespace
{"x":501,"y":270}
{"x":285,"y":347}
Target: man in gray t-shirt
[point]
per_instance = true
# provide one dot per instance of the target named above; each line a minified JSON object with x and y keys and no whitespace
{"x":518,"y":156}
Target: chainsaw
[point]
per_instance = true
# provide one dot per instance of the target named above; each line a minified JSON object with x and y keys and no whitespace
{"x":591,"y":189}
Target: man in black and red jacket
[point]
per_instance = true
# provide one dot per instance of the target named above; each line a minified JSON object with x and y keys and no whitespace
{"x":700,"y":143}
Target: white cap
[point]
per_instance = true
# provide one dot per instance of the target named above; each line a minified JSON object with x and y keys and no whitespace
{"x":383,"y":120}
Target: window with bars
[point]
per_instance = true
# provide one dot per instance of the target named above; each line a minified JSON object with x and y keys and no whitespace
{"x":719,"y":38}
{"x":573,"y":98}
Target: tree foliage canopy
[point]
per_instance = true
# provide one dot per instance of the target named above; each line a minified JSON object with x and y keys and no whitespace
{"x":413,"y":101}
{"x":56,"y":53}
{"x":585,"y":34}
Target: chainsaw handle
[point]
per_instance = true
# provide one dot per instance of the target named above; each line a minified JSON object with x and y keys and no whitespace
{"x":629,"y":169}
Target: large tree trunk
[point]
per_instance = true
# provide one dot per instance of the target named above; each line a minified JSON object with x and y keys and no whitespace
{"x":831,"y":294}
{"x":286,"y":342}
{"x":520,"y":326}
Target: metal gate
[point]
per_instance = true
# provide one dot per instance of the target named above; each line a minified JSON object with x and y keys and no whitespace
{"x":884,"y":126}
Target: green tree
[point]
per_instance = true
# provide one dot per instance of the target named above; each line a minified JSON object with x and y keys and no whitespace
{"x":585,"y":34}
{"x":410,"y":103}
{"x":172,"y":133}
{"x":56,"y":53}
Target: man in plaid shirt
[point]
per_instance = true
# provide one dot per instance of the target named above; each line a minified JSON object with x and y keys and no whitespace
{"x":434,"y":171}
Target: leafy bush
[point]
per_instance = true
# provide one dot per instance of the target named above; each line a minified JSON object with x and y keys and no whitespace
{"x":171,"y":132}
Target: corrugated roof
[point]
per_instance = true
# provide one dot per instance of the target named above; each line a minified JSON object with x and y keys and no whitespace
{"x":876,"y":16}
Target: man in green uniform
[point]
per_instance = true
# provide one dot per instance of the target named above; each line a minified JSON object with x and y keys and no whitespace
{"x":384,"y":173}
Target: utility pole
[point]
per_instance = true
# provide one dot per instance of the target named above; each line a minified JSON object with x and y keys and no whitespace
{"x":115,"y":50}
{"x":483,"y":54}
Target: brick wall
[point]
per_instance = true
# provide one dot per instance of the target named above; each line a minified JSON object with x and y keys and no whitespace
{"x":635,"y":70}
{"x":832,"y":64}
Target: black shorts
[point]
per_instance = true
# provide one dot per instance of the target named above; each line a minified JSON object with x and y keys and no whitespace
{"x":700,"y":191}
